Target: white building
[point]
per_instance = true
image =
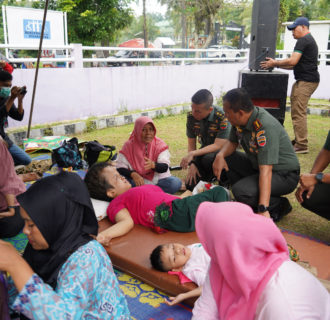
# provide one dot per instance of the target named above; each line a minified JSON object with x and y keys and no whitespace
{"x":164,"y":42}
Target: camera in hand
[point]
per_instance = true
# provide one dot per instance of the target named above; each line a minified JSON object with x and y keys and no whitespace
{"x":23,"y":90}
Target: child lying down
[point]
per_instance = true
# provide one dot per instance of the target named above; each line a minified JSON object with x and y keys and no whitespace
{"x":192,"y":261}
{"x":146,"y":205}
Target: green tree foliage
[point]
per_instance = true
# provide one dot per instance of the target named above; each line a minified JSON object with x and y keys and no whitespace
{"x":157,"y":17}
{"x":135,"y":29}
{"x":239,"y":12}
{"x":316,"y":9}
{"x":291,"y":9}
{"x":181,"y":16}
{"x":233,"y":11}
{"x":312,"y":9}
{"x":198,"y":13}
{"x":201,"y":12}
{"x":90,"y":21}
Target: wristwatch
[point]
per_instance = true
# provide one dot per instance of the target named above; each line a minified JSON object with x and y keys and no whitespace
{"x":262,"y":208}
{"x":319,"y":177}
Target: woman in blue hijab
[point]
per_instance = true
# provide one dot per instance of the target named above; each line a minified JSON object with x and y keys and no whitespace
{"x":64,"y":273}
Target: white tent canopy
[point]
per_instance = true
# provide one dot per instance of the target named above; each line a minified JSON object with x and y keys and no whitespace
{"x":161,"y":42}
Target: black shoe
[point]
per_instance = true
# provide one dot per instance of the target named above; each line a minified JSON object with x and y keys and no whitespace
{"x":293,"y":142}
{"x":282,"y":210}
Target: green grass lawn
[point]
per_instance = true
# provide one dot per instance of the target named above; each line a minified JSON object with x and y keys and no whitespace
{"x":172,"y":130}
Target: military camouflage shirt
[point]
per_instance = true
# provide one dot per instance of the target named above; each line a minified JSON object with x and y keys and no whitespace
{"x":210,"y":128}
{"x":265,"y":142}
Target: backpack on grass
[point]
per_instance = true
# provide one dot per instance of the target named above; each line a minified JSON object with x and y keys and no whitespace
{"x":97,"y":152}
{"x":68,"y":155}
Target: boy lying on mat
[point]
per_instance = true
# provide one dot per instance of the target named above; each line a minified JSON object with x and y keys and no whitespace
{"x":146,"y":205}
{"x":192,"y":261}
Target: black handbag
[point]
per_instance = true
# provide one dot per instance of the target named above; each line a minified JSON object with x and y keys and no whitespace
{"x":97,"y":152}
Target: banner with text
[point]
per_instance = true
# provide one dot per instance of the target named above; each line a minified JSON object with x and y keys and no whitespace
{"x":24,"y":26}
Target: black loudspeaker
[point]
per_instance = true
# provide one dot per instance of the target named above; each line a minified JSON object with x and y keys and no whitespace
{"x":267,"y":90}
{"x":263,"y":31}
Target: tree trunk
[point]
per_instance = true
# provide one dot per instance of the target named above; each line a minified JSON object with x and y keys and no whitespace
{"x":183,"y":23}
{"x":104,"y":43}
{"x":196,"y":36}
{"x":145,"y":30}
{"x":210,"y":23}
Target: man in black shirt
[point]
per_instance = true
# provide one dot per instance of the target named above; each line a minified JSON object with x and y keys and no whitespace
{"x":303,"y":61}
{"x":8,"y":108}
{"x":314,"y":190}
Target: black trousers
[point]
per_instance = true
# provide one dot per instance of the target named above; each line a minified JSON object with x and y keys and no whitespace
{"x":204,"y":165}
{"x":244,"y":180}
{"x":319,"y":201}
{"x":11,"y":226}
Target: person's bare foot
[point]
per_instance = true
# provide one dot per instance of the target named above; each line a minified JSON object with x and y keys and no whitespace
{"x":30,"y":176}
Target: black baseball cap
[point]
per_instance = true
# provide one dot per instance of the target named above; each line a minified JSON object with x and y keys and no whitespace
{"x":301,"y":21}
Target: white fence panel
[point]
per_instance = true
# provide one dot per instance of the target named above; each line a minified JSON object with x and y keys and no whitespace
{"x":76,"y":93}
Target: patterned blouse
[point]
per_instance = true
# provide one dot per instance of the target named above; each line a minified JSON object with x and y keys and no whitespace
{"x":87,"y":288}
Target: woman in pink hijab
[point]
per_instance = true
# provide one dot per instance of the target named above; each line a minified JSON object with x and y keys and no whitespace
{"x":251,"y":276}
{"x":145,"y":158}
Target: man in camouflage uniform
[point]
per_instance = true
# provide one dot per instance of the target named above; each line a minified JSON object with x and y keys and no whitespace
{"x":269,"y":168}
{"x":208,"y":124}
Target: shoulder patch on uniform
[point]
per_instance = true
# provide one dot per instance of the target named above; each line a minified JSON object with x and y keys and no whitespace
{"x":223,"y":125}
{"x":259,"y":133}
{"x":257,"y":124}
{"x":261,"y":141}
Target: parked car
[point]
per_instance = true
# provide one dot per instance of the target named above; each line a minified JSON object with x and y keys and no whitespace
{"x":130,"y":55}
{"x":125,"y":54}
{"x":223,"y":51}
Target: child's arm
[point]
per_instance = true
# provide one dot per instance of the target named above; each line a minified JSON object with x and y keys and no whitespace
{"x":183,"y":296}
{"x":124,"y":223}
